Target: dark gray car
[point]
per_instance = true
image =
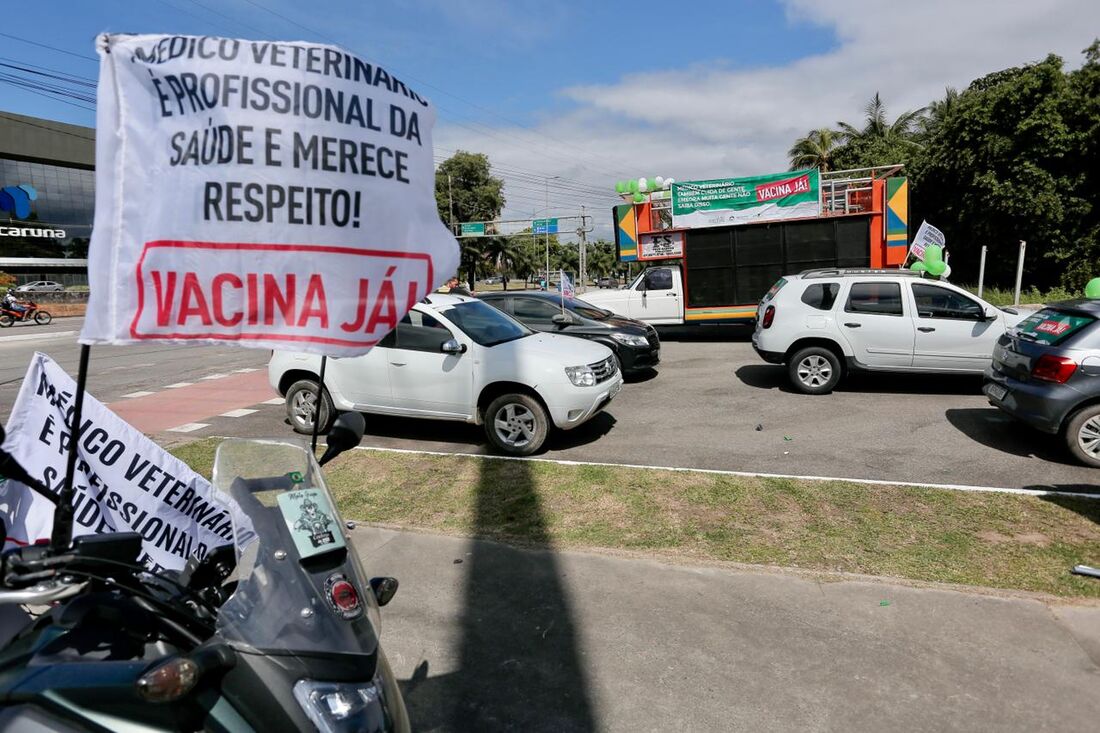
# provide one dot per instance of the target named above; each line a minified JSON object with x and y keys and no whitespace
{"x":635,"y":344}
{"x":1046,"y":372}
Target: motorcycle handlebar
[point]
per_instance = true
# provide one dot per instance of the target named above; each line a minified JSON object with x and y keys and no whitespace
{"x":41,"y":594}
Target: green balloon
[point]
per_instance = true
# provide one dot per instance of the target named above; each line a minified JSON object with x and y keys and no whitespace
{"x":640,"y":198}
{"x":936,"y":268}
{"x":933,"y":253}
{"x":620,"y":186}
{"x":632,"y":186}
{"x":918,"y":266}
{"x":1092,"y":289}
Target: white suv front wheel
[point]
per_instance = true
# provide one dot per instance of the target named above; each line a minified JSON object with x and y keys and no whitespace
{"x":516,"y":424}
{"x":814,"y":370}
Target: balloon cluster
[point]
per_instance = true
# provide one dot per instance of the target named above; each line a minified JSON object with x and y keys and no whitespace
{"x":642,"y":186}
{"x":933,"y":263}
{"x":1092,"y":288}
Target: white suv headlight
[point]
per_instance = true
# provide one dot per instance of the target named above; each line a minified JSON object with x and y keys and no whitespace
{"x":630,"y":340}
{"x":581,"y":376}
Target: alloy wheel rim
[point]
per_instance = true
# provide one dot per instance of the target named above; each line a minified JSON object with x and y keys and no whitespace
{"x":814,"y":371}
{"x":515,"y":425}
{"x":1088,"y":437}
{"x":303,"y":406}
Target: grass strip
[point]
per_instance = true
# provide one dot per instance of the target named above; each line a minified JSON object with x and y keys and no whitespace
{"x":986,"y":539}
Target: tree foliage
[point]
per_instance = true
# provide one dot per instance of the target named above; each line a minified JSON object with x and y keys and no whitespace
{"x":816,"y":150}
{"x":1014,"y":156}
{"x":466,"y":190}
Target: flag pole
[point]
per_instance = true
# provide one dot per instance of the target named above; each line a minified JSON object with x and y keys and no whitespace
{"x":62,"y":534}
{"x":317,"y":404}
{"x":561,"y":289}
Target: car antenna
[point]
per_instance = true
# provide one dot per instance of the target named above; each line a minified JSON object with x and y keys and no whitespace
{"x":62,"y":535}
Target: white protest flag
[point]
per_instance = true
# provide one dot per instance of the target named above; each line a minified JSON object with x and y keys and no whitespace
{"x":123,"y":481}
{"x":565,"y":285}
{"x":926,"y":235}
{"x":275,"y":195}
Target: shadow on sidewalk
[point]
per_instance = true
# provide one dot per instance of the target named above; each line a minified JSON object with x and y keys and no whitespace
{"x":519,"y":652}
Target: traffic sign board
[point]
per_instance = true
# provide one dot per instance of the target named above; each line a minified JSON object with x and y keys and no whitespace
{"x":544,"y":226}
{"x":473,"y":228}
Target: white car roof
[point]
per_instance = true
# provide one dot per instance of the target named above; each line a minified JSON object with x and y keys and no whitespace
{"x":438,"y":299}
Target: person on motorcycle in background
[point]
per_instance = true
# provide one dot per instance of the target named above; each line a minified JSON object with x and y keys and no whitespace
{"x":12,"y":303}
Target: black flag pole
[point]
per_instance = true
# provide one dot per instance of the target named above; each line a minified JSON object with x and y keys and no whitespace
{"x":63,"y":513}
{"x":317,"y":404}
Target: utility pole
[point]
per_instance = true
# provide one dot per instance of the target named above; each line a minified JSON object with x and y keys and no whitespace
{"x":582,"y":260}
{"x":546,"y":226}
{"x":451,"y":204}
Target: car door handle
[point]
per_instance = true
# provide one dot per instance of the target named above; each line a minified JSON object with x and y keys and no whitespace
{"x":853,"y":325}
{"x":399,"y":363}
{"x":925,"y":329}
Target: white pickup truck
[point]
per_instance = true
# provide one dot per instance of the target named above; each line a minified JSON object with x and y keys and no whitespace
{"x":655,"y":296}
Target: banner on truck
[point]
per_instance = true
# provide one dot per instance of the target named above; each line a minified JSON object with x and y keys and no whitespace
{"x":926,"y":235}
{"x":726,"y":201}
{"x":274,"y":195}
{"x":123,"y":482}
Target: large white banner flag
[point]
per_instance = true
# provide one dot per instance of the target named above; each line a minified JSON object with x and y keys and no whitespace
{"x":276,"y":195}
{"x":123,"y":482}
{"x":926,"y":235}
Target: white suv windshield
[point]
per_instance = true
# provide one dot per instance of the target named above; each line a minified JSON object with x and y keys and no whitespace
{"x":483,"y":323}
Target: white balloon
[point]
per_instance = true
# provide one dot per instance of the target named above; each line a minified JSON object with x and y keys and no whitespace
{"x":946,"y":272}
{"x":642,"y":185}
{"x":669,"y":182}
{"x":660,"y":182}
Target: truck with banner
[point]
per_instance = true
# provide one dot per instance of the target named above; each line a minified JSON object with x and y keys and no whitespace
{"x":714,"y":247}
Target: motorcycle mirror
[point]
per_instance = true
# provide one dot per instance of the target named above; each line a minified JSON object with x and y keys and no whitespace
{"x":384,"y":589}
{"x":346,"y":433}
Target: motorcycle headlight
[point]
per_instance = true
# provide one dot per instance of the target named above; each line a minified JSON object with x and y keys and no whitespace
{"x":343,"y":707}
{"x":630,"y":339}
{"x":581,"y":376}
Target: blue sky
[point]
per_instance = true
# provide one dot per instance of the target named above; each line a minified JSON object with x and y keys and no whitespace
{"x":593,"y":92}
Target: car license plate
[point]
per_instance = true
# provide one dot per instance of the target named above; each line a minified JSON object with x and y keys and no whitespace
{"x":996,"y":391}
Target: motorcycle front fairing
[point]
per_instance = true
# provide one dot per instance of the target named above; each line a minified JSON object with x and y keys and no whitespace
{"x":303,"y":615}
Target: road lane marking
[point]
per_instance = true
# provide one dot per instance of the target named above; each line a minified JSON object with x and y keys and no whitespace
{"x":246,"y":370}
{"x":240,"y":412}
{"x":754,"y":474}
{"x":178,"y":385}
{"x":189,"y":427}
{"x":273,"y":401}
{"x":216,"y":376}
{"x":36,"y":337}
{"x":134,"y":395}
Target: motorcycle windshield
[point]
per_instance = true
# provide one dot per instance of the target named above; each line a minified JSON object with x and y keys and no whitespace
{"x":300,"y":589}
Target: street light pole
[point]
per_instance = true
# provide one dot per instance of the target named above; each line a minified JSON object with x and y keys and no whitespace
{"x":546,"y":226}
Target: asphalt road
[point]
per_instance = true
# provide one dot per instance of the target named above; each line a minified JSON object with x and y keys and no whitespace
{"x":712,"y":404}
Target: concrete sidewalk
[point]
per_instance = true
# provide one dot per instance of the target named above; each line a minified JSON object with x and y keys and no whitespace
{"x":489,"y":637}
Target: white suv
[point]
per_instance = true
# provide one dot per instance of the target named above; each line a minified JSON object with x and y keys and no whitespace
{"x":823,"y":323}
{"x":457,"y":358}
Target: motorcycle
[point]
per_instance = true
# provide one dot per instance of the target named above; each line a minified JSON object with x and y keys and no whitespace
{"x":9,"y":316}
{"x":277,"y":631}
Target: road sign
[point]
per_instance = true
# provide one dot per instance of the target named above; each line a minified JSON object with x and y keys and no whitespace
{"x":544,"y":226}
{"x":473,"y":228}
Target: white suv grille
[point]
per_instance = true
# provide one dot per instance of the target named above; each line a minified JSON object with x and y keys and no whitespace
{"x":603,"y":370}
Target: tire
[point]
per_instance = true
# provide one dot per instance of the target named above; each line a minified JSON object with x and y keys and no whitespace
{"x":6,"y":320}
{"x":814,"y":370}
{"x":42,"y":318}
{"x":523,"y":426}
{"x":1083,"y":436}
{"x":299,"y":407}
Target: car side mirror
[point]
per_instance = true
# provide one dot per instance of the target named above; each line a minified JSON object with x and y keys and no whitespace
{"x":989,"y":314}
{"x":561,"y":319}
{"x":452,"y":346}
{"x":346,"y":433}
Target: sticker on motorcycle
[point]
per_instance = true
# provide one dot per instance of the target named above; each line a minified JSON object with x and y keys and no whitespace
{"x":311,"y":522}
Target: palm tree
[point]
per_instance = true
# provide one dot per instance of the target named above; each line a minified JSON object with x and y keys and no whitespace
{"x":815,"y":150}
{"x":501,"y":253}
{"x":875,"y":126}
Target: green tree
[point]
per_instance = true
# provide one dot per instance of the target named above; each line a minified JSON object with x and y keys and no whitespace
{"x":466,"y":190}
{"x":1015,"y":157}
{"x":878,"y":142}
{"x":501,"y":254}
{"x":815,"y":150}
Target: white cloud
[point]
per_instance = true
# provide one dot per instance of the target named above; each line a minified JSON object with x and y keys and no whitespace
{"x":739,"y":119}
